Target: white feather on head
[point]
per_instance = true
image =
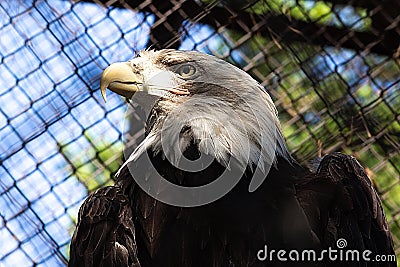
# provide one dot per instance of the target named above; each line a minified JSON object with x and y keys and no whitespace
{"x":229,"y":113}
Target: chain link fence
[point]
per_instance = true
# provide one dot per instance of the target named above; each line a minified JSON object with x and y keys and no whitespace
{"x":332,"y":68}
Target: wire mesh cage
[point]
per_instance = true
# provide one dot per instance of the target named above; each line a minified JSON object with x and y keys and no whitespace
{"x":332,"y":68}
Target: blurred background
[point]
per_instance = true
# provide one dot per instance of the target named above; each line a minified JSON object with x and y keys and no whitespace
{"x":332,"y":68}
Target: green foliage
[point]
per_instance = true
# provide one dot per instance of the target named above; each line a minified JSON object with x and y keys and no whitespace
{"x":302,"y":10}
{"x":320,"y":12}
{"x":95,"y":166}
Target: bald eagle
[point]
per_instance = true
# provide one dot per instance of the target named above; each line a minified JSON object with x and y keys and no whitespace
{"x":213,"y":183}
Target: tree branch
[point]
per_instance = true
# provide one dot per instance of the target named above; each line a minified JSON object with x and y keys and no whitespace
{"x":381,"y":39}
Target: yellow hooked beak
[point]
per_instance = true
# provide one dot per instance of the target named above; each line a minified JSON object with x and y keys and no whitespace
{"x":120,"y":78}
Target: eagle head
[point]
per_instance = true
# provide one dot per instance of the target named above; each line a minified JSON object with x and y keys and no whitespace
{"x":203,"y":101}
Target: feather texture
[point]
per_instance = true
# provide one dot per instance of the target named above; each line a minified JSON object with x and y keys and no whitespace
{"x":229,"y":117}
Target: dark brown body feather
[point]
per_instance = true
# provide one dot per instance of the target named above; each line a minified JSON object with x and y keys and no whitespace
{"x":105,"y":233}
{"x":292,"y":209}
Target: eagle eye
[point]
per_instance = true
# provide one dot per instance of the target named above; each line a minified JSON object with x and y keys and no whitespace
{"x":186,"y":70}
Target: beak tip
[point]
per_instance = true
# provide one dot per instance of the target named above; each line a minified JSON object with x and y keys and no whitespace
{"x":103,"y":93}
